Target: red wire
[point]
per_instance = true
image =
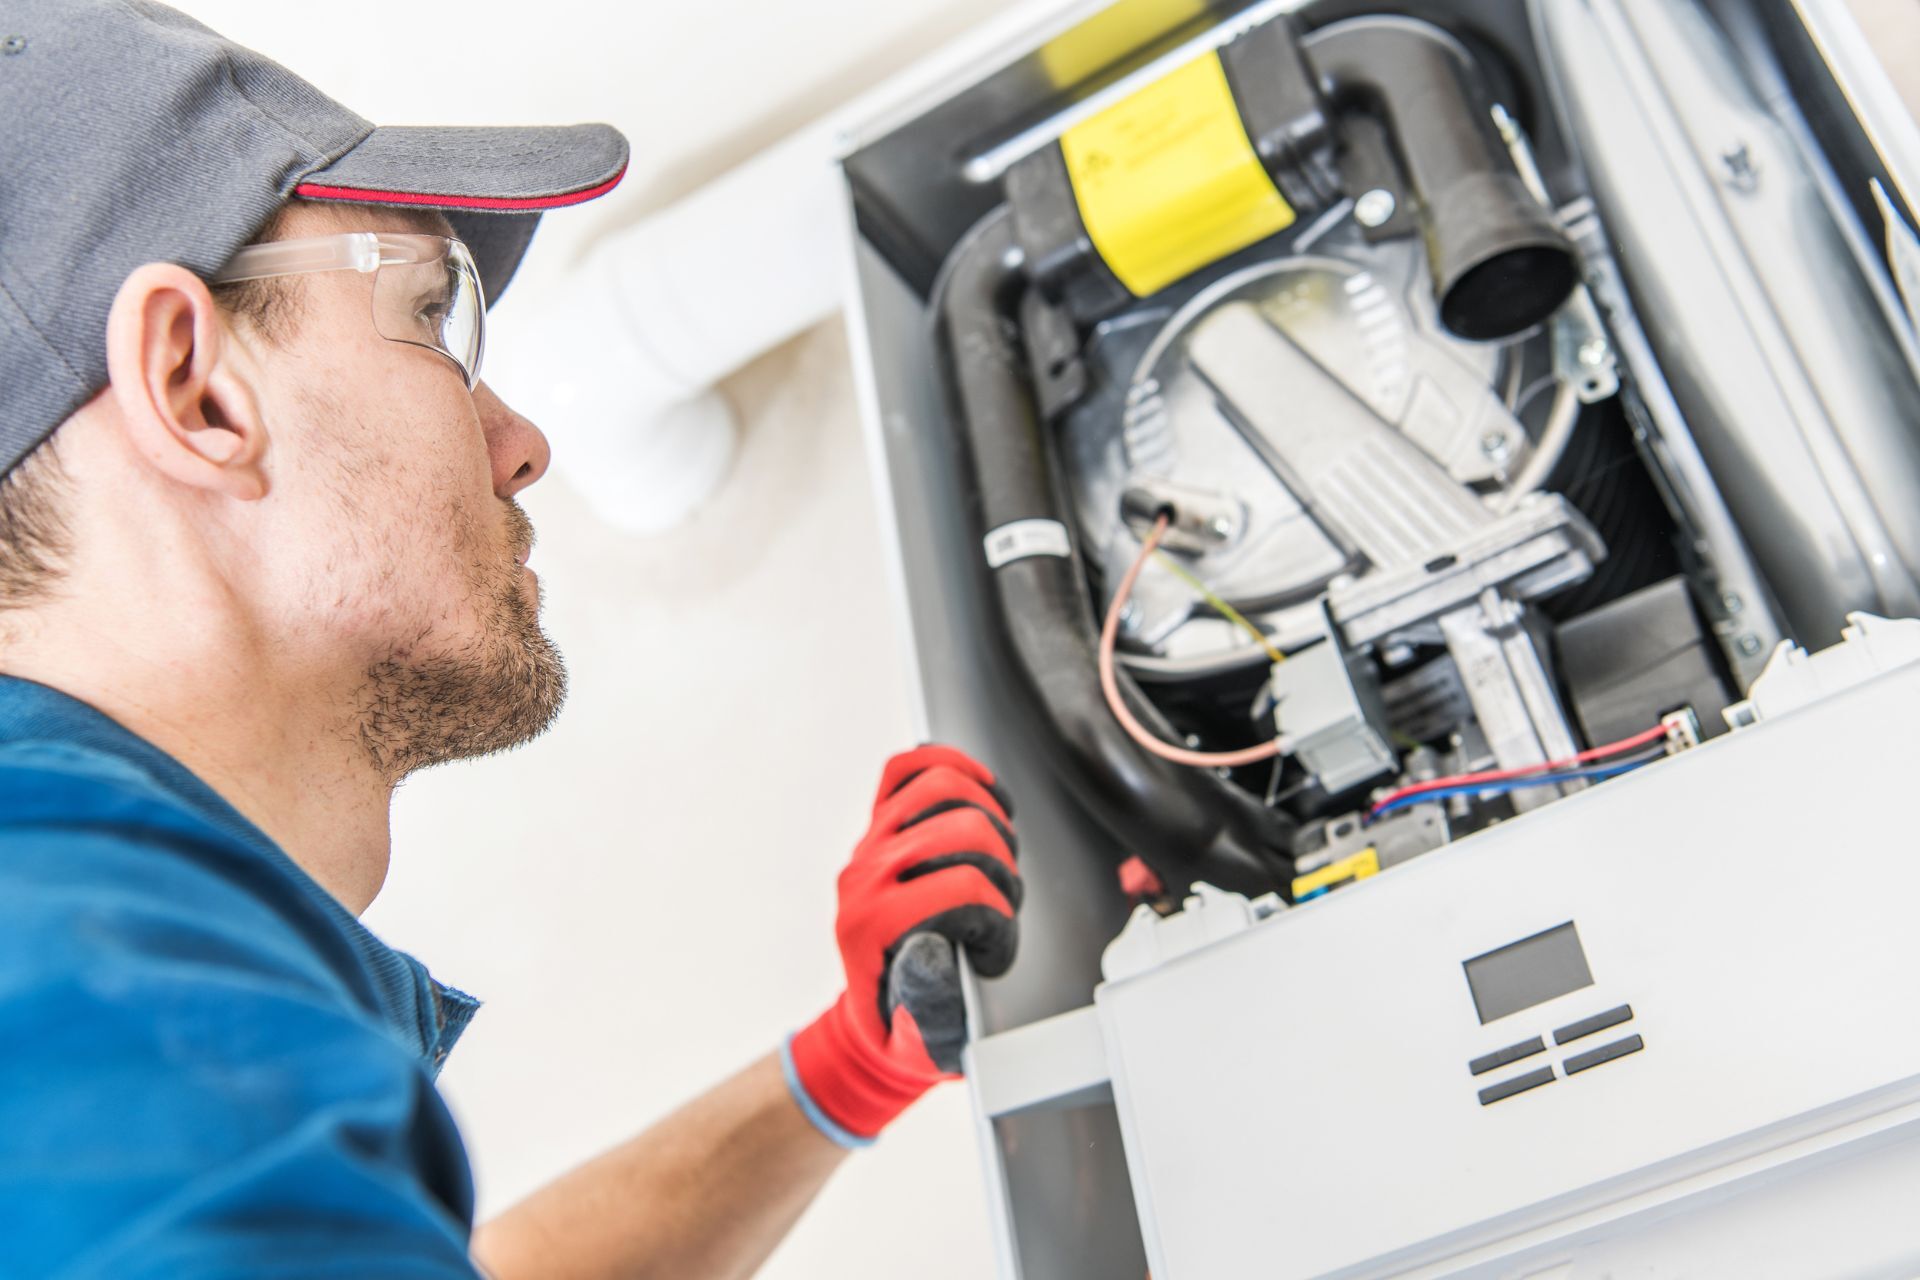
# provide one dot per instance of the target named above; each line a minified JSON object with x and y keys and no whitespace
{"x":1110,"y":684}
{"x":1501,"y":775}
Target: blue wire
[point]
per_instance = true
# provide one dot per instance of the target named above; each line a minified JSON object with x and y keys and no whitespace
{"x":1512,"y":784}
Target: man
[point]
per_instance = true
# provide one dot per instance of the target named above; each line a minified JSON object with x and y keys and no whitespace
{"x":259,"y":560}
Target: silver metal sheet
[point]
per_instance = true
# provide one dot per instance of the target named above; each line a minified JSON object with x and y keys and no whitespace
{"x":1776,"y":349}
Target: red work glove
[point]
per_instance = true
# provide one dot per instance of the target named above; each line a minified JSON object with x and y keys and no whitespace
{"x":935,"y":871}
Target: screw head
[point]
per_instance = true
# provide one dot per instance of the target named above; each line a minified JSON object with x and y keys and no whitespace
{"x":1374,"y":208}
{"x":1496,"y":446}
{"x":1749,"y":645}
{"x":13,"y":44}
{"x":1593,"y":351}
{"x":1742,"y":173}
{"x":1732,"y":603}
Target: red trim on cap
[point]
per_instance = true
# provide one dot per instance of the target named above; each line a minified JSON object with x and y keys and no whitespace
{"x":508,"y":204}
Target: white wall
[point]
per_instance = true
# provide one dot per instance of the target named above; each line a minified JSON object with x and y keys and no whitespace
{"x":645,"y":896}
{"x":696,"y":87}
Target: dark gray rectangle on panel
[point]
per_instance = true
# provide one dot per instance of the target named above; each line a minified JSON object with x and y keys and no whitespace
{"x":1502,"y":1057}
{"x":1598,"y":1022}
{"x":1528,"y":972}
{"x":1605,"y":1053}
{"x":1518,"y":1084}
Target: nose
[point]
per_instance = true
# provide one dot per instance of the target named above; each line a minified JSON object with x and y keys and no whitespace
{"x":517,"y":449}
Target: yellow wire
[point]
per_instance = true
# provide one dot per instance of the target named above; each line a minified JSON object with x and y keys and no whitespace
{"x":1226,"y":610}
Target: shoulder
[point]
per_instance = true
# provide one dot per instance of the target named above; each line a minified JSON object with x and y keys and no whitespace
{"x":184,"y":1056}
{"x":100,"y":866}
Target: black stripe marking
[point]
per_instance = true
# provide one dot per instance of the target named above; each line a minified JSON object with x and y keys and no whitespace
{"x":1598,"y":1022}
{"x":1518,"y":1084}
{"x":1605,"y":1053}
{"x":1501,"y":1057}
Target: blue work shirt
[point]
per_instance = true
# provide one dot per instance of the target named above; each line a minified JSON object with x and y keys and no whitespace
{"x":208,"y":1067}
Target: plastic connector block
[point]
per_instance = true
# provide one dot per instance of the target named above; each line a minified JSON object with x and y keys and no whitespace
{"x":1355,"y":866}
{"x":1149,"y":939}
{"x":1327,"y":702}
{"x":1793,"y":678}
{"x":1683,"y":730}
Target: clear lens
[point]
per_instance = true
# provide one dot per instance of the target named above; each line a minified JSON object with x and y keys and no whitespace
{"x":434,"y":302}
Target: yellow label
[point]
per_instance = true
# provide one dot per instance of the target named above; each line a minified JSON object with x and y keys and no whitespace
{"x":1123,"y":30}
{"x":1167,"y":180}
{"x":1355,"y":866}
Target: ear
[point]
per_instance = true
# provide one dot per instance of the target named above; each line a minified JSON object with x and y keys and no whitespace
{"x":170,"y":364}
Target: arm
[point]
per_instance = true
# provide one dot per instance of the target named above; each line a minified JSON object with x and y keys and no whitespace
{"x":707,"y":1192}
{"x":710,"y":1191}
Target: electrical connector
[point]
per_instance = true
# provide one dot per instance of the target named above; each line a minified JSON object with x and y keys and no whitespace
{"x":1683,"y":730}
{"x":1355,"y":866}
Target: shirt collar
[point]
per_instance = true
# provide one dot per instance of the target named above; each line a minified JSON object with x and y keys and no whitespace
{"x":427,"y":1015}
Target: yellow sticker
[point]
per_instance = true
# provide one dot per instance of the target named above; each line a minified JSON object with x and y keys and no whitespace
{"x":1122,"y":31}
{"x":1167,"y":181}
{"x":1355,"y":866}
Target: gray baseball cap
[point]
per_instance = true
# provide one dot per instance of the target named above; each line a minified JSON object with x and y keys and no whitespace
{"x":129,"y":133}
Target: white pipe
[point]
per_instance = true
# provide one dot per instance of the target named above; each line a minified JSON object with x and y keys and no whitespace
{"x":618,"y":358}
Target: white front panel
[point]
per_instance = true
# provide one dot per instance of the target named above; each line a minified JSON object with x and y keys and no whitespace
{"x":1297,"y":1099}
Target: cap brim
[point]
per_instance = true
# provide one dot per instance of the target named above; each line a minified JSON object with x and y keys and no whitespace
{"x":492,"y":183}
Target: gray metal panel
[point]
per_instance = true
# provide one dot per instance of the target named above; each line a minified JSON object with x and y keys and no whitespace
{"x":1775,"y":346}
{"x":1072,"y":1211}
{"x":1876,"y":106}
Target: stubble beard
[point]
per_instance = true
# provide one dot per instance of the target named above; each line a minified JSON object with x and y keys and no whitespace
{"x":501,"y":690}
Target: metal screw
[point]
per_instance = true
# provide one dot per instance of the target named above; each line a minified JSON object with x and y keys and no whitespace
{"x":1749,"y":645}
{"x":1374,"y":208}
{"x":13,"y":44}
{"x":1732,"y":603}
{"x":1593,"y":351}
{"x":1496,"y":446}
{"x":1220,"y":527}
{"x":1741,"y":174}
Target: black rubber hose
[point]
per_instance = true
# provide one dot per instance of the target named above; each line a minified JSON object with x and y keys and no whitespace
{"x":1188,"y":824}
{"x":1500,"y":264}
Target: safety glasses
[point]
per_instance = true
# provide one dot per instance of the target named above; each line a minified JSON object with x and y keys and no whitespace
{"x":426,"y":290}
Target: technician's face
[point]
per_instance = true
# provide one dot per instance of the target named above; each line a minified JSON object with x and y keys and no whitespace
{"x":398,"y":484}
